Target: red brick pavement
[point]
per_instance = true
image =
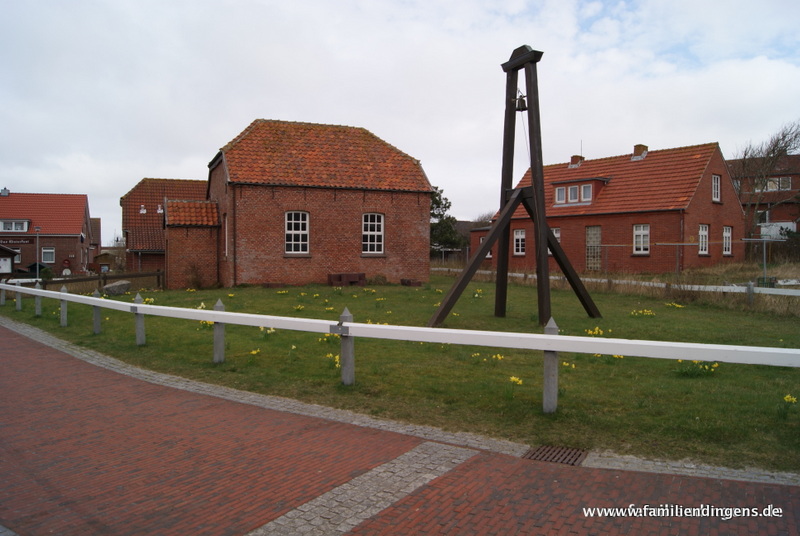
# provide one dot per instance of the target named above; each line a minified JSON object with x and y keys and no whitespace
{"x":86,"y":451}
{"x":499,"y":494}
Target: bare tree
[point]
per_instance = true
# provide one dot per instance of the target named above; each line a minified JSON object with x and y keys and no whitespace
{"x":756,"y":168}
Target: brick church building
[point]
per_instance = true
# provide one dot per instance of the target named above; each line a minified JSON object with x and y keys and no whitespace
{"x":296,"y":203}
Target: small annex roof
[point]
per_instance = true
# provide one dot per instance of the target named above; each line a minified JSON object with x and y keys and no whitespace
{"x":188,"y":213}
{"x":661,"y":180}
{"x":54,"y":214}
{"x":283,"y":153}
{"x":143,"y":209}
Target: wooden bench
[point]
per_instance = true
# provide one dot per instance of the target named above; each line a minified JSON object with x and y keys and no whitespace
{"x":347,"y":279}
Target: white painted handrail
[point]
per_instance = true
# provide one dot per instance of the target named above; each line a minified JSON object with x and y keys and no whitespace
{"x":753,"y":355}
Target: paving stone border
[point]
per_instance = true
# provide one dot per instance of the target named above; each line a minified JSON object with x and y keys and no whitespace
{"x":346,"y":506}
{"x":601,"y":460}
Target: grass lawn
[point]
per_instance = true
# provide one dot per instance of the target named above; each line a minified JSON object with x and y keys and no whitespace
{"x":731,"y":415}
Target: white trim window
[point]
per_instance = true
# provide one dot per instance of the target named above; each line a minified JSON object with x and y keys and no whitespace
{"x":488,"y":255}
{"x":727,"y":240}
{"x":573,"y":194}
{"x":716,"y":190}
{"x":561,"y":195}
{"x":641,"y":239}
{"x":372,"y":233}
{"x":12,"y":226}
{"x":557,"y":234}
{"x":702,"y":240}
{"x":297,"y":232}
{"x":586,"y":193}
{"x":48,"y":255}
{"x":519,"y":241}
{"x":18,"y":256}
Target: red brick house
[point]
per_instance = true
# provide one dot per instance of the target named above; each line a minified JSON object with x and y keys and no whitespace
{"x":143,"y":219}
{"x":60,"y":222}
{"x":294,"y":203}
{"x":770,"y":197}
{"x":650,"y":211}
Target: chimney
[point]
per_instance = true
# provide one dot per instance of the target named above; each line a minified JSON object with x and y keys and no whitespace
{"x":575,"y":161}
{"x":4,"y":192}
{"x":639,"y":152}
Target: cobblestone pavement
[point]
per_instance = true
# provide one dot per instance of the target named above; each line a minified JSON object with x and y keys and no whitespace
{"x":95,"y":446}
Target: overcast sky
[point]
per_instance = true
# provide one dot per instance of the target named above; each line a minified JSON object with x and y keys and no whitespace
{"x":98,"y":94}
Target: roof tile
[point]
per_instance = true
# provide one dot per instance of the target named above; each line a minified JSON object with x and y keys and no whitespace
{"x":63,"y":214}
{"x":191,"y":213}
{"x":306,"y":154}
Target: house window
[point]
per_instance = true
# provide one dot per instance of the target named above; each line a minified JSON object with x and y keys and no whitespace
{"x":519,"y":241}
{"x":488,"y":255}
{"x":49,"y":255}
{"x":372,"y":233}
{"x":18,"y":256}
{"x":702,"y":239}
{"x":557,"y":234}
{"x":586,"y":192}
{"x":641,"y":239}
{"x":561,"y":195}
{"x":779,"y":183}
{"x":296,"y":232}
{"x":573,"y":194}
{"x":715,"y":188}
{"x":14,"y":226}
{"x":727,"y":240}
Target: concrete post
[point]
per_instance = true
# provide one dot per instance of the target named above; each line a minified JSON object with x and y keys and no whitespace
{"x":2,"y":296}
{"x":141,"y":340}
{"x":96,"y":314}
{"x":38,"y":301}
{"x":550,"y":396}
{"x":18,"y":297}
{"x":64,"y":308}
{"x":750,"y":294}
{"x":347,"y":360}
{"x":219,"y":336}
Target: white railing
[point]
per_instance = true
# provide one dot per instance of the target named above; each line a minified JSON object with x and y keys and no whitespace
{"x":550,"y":343}
{"x":749,"y":288}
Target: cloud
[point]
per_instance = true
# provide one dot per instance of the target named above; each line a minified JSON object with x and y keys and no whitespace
{"x":100,"y":94}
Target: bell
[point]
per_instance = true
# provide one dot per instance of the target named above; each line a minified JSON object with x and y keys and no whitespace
{"x":521,"y":104}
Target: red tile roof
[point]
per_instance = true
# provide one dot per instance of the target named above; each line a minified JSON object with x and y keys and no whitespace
{"x":57,"y":214}
{"x":663,"y":180}
{"x":145,"y":230}
{"x":305,"y":154}
{"x":191,"y":213}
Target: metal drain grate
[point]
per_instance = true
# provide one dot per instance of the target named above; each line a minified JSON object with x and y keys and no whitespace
{"x":563,"y":455}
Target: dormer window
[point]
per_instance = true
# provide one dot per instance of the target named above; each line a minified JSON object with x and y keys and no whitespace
{"x":561,"y":195}
{"x":586,"y":193}
{"x":11,"y":226}
{"x":573,"y":194}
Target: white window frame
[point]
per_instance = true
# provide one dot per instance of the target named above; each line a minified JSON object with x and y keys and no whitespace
{"x":372,"y":233}
{"x":572,"y":194}
{"x":561,"y":195}
{"x":586,"y":192}
{"x":519,"y":242}
{"x":48,"y":253}
{"x":14,"y":226}
{"x":18,"y":256}
{"x":702,"y":239}
{"x":488,"y":255}
{"x":296,"y":233}
{"x":557,"y":234}
{"x":641,"y":239}
{"x":727,"y":240}
{"x":716,"y":190}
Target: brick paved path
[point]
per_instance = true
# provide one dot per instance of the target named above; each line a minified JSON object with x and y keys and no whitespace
{"x":85,"y":450}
